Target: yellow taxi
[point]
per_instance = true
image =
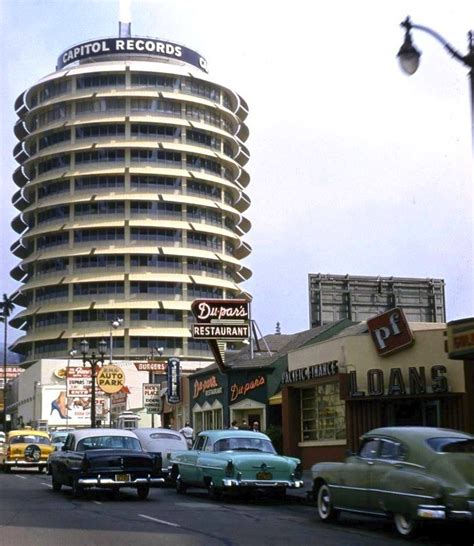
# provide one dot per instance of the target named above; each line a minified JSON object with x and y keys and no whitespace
{"x":26,"y":448}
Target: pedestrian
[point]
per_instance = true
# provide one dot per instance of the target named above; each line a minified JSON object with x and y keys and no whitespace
{"x":233,"y":426}
{"x":256,"y":426}
{"x":188,"y":432}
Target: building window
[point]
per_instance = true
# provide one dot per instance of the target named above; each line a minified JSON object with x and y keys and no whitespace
{"x":154,"y":182}
{"x":101,"y":80}
{"x":92,"y":182}
{"x":323,"y":414}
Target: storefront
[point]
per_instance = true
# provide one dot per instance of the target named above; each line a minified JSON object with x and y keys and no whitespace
{"x":242,"y":395}
{"x":336,"y":390}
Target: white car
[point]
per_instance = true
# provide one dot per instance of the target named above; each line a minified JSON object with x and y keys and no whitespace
{"x":161,"y":441}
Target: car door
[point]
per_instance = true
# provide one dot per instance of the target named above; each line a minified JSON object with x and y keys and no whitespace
{"x":190,"y":470}
{"x":384,"y":465}
{"x":352,"y":491}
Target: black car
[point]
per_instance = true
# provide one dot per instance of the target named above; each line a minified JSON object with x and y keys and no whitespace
{"x":104,"y":458}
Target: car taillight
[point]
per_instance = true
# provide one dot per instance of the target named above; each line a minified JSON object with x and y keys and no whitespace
{"x":157,"y":463}
{"x":229,"y":469}
{"x":85,"y":465}
{"x":299,"y":471}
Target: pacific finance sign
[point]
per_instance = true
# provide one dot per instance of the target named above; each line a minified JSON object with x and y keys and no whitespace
{"x":130,"y":46}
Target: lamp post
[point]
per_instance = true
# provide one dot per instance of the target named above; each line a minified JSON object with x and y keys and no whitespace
{"x":409,"y":56}
{"x":114,"y":324}
{"x":93,"y":360}
{"x":151,"y":378}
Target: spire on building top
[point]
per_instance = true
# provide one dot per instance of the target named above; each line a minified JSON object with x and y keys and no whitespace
{"x":125,"y":19}
{"x":278,"y":329}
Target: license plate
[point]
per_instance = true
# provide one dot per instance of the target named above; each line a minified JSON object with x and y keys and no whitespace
{"x":264,"y":475}
{"x":122,"y":477}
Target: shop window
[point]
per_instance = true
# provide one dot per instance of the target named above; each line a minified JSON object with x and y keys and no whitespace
{"x":323,"y":413}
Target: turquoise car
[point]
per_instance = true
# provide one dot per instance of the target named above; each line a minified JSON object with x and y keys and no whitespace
{"x":234,"y":461}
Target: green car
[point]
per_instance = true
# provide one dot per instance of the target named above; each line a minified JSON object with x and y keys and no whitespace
{"x":235,"y":461}
{"x":410,"y":474}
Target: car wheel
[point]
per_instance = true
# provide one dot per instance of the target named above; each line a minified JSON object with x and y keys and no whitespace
{"x":143,"y":491}
{"x":180,"y":485}
{"x":77,"y":490}
{"x":56,"y":485}
{"x":405,"y":525}
{"x":215,"y":494}
{"x":326,"y":510}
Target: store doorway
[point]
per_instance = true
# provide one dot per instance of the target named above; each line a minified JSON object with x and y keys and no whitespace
{"x":413,"y":413}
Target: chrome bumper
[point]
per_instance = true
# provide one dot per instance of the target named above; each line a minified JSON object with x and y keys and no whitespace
{"x":439,"y":512}
{"x":104,"y":482}
{"x":25,"y":463}
{"x":267,"y":484}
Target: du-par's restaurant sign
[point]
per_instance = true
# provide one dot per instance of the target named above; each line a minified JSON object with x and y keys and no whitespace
{"x":131,"y":46}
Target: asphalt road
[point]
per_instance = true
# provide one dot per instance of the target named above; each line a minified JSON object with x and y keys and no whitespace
{"x":31,"y":514}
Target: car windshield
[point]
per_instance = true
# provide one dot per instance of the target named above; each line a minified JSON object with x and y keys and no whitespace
{"x":30,"y":439}
{"x":244,"y":444}
{"x":109,"y":442}
{"x":451,"y":445}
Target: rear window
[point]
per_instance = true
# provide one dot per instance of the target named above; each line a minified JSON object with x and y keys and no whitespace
{"x":165,"y":436}
{"x":30,"y":439}
{"x":451,"y":445}
{"x":109,"y":442}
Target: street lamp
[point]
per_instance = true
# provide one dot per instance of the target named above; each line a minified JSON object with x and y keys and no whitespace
{"x":409,"y":56}
{"x":114,"y":324}
{"x":93,"y":360}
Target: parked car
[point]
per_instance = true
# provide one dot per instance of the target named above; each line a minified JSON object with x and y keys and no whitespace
{"x":161,"y":441}
{"x":26,"y":448}
{"x":410,"y":474}
{"x":234,"y":460}
{"x":58,"y":438}
{"x":104,"y":458}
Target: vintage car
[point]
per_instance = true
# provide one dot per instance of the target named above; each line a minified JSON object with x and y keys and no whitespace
{"x":161,"y":441}
{"x":104,"y":458}
{"x":26,"y":448}
{"x":234,"y":461}
{"x":411,"y":474}
{"x":58,"y":438}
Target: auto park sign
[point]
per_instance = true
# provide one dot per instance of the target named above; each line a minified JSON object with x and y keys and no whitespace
{"x":111,"y":379}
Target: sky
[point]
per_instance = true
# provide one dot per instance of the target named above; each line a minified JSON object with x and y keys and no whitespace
{"x":355,"y":168}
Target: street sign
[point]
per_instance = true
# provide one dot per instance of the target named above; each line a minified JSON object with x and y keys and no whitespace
{"x":152,"y":401}
{"x":151,"y":366}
